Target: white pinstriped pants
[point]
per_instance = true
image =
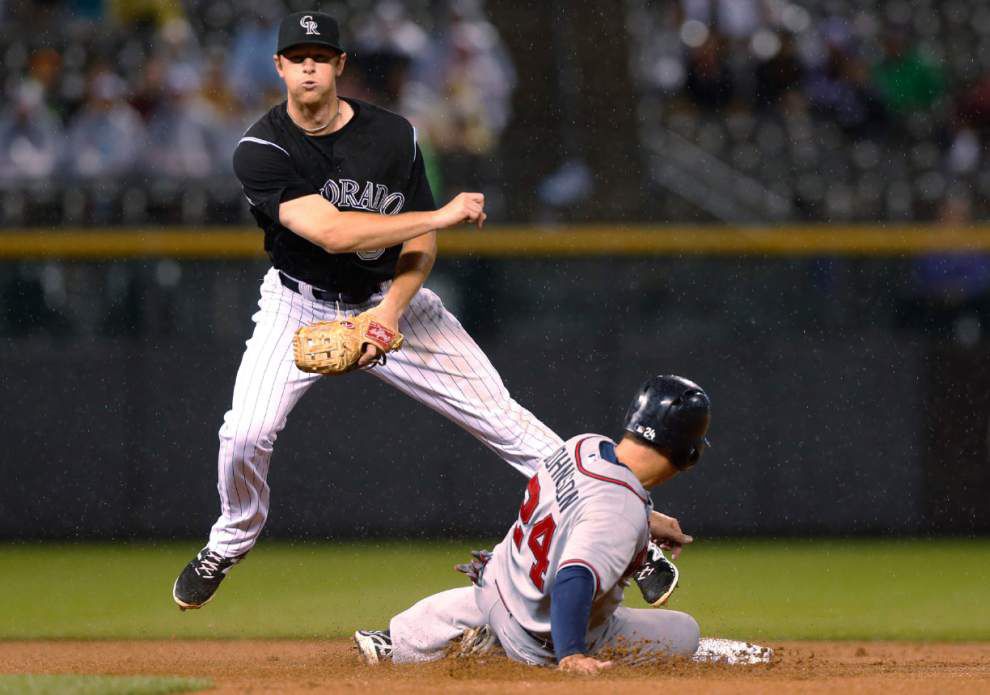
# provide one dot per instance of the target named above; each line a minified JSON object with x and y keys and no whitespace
{"x":439,"y":365}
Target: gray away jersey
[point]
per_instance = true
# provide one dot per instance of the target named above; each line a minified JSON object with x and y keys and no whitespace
{"x":579,"y":509}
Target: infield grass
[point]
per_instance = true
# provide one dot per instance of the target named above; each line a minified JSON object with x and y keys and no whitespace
{"x":99,"y":685}
{"x":752,"y":589}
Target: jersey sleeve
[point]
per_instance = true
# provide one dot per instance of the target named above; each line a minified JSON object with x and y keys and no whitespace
{"x":268,"y":176}
{"x":570,"y":608}
{"x":418,"y":192}
{"x":605,"y":544}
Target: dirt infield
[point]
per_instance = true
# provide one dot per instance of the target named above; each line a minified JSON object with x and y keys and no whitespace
{"x":332,"y":666}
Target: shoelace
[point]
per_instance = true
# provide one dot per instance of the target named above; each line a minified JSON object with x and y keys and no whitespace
{"x":208,"y":565}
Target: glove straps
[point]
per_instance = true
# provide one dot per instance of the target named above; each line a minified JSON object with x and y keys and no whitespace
{"x":382,"y":337}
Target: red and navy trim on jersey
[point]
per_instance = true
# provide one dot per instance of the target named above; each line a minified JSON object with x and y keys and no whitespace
{"x":584,"y":563}
{"x":603,"y":478}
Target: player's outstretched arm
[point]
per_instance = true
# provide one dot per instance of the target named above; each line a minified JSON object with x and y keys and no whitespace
{"x":570,"y":608}
{"x":317,"y":220}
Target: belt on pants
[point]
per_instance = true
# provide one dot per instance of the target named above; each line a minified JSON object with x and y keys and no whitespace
{"x":544,"y":642}
{"x":305,"y":289}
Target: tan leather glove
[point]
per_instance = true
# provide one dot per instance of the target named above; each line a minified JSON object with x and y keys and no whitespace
{"x":334,"y":347}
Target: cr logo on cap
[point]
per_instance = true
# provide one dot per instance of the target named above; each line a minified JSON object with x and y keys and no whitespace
{"x":309,"y":24}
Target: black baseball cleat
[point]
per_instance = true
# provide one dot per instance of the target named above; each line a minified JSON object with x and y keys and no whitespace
{"x":657,"y":578}
{"x":374,"y":646}
{"x":201,"y":578}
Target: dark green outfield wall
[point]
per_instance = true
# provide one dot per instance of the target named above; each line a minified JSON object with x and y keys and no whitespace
{"x":843,"y":403}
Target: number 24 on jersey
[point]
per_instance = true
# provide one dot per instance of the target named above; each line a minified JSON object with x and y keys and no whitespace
{"x":540,"y":533}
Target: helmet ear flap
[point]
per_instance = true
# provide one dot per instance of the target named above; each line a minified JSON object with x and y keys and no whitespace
{"x":695,"y":454}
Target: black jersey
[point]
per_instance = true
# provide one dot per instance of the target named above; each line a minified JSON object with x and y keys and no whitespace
{"x":372,"y":164}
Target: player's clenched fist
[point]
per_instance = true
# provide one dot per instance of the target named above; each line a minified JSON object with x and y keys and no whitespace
{"x":582,"y":663}
{"x":465,"y":207}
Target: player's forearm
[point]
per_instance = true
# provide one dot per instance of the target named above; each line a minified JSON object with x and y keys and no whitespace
{"x":347,"y":232}
{"x":411,"y":270}
{"x":570,"y":609}
{"x":319,"y":222}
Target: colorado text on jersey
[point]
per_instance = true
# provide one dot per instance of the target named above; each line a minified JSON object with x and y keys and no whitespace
{"x":374,"y":198}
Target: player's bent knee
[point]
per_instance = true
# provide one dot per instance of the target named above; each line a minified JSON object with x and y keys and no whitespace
{"x":244,"y":438}
{"x":685,"y":634}
{"x":249,"y":448}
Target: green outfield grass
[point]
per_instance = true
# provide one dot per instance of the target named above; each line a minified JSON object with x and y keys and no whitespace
{"x":759,"y":590}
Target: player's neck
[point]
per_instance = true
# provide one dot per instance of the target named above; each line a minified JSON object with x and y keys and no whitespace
{"x":649,"y":466}
{"x":319,"y":119}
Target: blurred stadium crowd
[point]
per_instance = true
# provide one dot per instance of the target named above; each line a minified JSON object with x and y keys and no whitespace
{"x":128,"y":110}
{"x":837,"y":109}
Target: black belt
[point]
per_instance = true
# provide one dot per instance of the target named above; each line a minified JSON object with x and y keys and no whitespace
{"x":356,"y":297}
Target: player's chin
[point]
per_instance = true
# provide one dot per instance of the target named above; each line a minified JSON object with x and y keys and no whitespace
{"x":311,"y":94}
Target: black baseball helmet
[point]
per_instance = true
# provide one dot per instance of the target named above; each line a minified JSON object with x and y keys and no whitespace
{"x":671,"y":414}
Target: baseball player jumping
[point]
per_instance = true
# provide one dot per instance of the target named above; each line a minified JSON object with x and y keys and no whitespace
{"x":551,"y":591}
{"x":339,"y":188}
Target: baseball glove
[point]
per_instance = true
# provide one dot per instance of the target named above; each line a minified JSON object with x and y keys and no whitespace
{"x":657,"y":577}
{"x":334,"y":347}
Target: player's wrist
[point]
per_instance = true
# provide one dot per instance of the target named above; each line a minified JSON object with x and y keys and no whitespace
{"x":436,"y":220}
{"x":392,"y":306}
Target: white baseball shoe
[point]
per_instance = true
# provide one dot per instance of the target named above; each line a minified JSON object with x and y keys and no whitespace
{"x":374,"y":646}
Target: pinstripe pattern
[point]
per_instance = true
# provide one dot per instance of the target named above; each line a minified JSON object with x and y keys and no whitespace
{"x":447,"y":371}
{"x":439,"y":365}
{"x":251,"y":426}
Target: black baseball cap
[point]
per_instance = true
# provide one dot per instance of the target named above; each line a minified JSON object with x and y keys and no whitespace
{"x":308,"y":27}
